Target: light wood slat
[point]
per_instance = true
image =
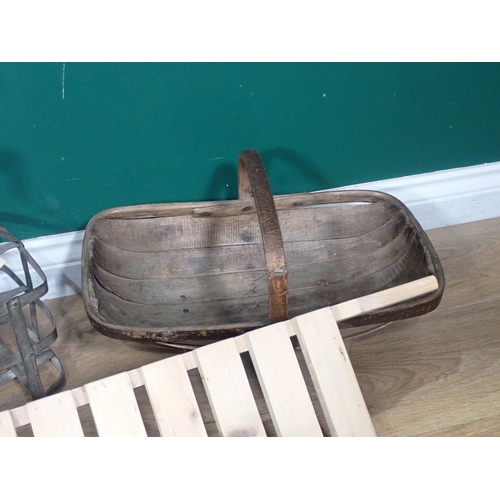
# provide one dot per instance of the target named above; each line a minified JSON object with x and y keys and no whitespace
{"x":7,"y":428}
{"x":172,"y":398}
{"x":384,"y":298}
{"x":228,"y":390}
{"x":114,"y":407}
{"x":341,"y":311}
{"x":55,"y":416}
{"x":282,"y":382}
{"x":332,"y":374}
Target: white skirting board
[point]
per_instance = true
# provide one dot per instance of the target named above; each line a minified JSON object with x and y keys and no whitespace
{"x":437,"y":199}
{"x":58,"y":255}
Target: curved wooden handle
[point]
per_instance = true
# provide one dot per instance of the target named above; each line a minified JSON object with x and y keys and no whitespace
{"x":253,"y":181}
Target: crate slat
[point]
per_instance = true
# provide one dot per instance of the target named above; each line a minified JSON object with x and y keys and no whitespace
{"x":332,"y":374}
{"x":282,"y":382}
{"x":7,"y":428}
{"x":228,"y":390}
{"x":172,"y":398}
{"x":114,"y":407}
{"x":116,"y":413}
{"x":55,"y":416}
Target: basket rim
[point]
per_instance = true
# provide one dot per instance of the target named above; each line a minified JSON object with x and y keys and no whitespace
{"x":419,"y":306}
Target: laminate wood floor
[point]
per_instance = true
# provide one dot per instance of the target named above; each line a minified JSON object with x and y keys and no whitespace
{"x":436,"y":375}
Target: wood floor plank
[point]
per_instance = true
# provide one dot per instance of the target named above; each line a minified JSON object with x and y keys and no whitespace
{"x":228,"y":390}
{"x":479,"y":427}
{"x":172,"y":398}
{"x":282,"y":382}
{"x":114,"y":407}
{"x":431,"y":373}
{"x":55,"y":416}
{"x":332,"y":373}
{"x":468,"y":253}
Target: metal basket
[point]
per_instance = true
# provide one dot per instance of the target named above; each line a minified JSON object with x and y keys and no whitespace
{"x":22,"y":308}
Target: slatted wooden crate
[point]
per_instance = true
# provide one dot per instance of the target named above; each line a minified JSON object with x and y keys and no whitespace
{"x":115,"y":410}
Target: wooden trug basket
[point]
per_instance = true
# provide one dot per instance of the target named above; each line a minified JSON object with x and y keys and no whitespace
{"x":194,"y":273}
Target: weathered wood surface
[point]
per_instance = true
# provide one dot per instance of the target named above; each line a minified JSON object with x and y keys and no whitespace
{"x":167,"y":271}
{"x":253,"y":183}
{"x":222,"y":285}
{"x":157,"y":289}
{"x":184,"y":302}
{"x":187,"y":232}
{"x":177,"y":263}
{"x":115,"y":409}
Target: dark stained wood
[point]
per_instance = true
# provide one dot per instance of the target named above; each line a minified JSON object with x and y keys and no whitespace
{"x":251,"y":171}
{"x":213,"y":269}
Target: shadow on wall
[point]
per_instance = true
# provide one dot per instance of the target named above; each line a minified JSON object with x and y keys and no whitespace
{"x":294,"y":161}
{"x":224,"y":183}
{"x":298,"y":163}
{"x":13,"y":168}
{"x":9,"y":218}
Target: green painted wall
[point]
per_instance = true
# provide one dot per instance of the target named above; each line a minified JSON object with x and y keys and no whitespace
{"x":138,"y":133}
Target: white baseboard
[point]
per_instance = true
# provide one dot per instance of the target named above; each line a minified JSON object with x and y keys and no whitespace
{"x":446,"y":197}
{"x":437,"y":199}
{"x":59,"y":256}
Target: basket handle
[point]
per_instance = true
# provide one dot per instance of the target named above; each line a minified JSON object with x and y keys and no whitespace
{"x":253,"y":182}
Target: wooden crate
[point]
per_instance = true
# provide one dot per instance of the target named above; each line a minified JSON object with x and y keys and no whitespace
{"x":115,"y":409}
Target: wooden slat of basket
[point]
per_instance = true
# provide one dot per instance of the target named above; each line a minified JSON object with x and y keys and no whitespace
{"x":7,"y":428}
{"x":228,"y":390}
{"x":172,"y":398}
{"x":55,"y":416}
{"x":235,"y":258}
{"x":251,"y":282}
{"x":114,"y":407}
{"x":282,"y":382}
{"x":249,"y":311}
{"x":332,"y":374}
{"x":185,"y":232}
